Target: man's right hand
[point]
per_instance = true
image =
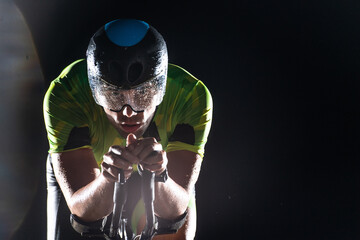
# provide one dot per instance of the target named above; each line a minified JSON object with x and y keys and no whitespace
{"x":117,"y":158}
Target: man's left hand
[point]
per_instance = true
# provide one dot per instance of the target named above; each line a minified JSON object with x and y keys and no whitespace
{"x":151,"y":154}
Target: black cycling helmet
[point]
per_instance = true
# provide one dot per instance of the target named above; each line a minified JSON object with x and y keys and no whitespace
{"x":127,"y":65}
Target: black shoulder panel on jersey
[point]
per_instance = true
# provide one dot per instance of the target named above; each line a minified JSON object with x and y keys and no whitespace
{"x":183,"y":133}
{"x":78,"y":137}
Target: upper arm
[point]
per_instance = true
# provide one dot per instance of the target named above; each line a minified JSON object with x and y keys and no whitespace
{"x":74,"y":170}
{"x":185,"y":149}
{"x":184,"y":168}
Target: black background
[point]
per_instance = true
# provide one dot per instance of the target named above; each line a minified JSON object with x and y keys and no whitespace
{"x":282,"y":159}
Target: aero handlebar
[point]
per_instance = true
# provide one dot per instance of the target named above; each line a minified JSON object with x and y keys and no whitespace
{"x":119,"y":198}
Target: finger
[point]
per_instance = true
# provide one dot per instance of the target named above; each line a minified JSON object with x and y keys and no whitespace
{"x":117,"y":161}
{"x":131,"y":138}
{"x":150,"y":150}
{"x":153,"y":158}
{"x":137,"y":146}
{"x":124,"y":154}
{"x":112,"y":173}
{"x":151,"y":168}
{"x":108,"y":172}
{"x":157,"y":168}
{"x":156,"y":163}
{"x":116,"y":149}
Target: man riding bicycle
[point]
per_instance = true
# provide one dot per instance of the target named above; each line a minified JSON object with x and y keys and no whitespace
{"x":123,"y":111}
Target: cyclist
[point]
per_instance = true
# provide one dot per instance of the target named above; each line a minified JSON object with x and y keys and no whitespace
{"x":123,"y":108}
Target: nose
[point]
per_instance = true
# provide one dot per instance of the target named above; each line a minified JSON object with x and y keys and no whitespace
{"x":127,"y":111}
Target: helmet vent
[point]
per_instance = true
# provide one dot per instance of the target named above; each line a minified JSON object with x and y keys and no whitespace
{"x":134,"y":72}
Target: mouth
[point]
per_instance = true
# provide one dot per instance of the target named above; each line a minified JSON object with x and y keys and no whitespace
{"x":130,"y":128}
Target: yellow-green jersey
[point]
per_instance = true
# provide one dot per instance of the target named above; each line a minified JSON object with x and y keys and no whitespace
{"x":73,"y":120}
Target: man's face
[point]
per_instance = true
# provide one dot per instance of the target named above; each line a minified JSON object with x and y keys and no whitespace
{"x":128,"y":121}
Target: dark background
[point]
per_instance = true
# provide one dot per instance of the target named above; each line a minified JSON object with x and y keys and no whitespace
{"x":282,"y":159}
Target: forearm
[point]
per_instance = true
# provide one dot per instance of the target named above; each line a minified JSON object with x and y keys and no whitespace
{"x":93,"y":201}
{"x":171,"y":200}
{"x":173,"y":197}
{"x":88,"y":193}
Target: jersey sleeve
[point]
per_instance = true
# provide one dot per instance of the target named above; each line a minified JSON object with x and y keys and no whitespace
{"x":193,"y":120}
{"x":65,"y":115}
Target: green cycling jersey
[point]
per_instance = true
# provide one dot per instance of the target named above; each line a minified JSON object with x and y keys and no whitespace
{"x":73,"y":120}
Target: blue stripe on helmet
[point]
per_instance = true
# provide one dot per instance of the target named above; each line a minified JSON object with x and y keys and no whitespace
{"x":126,"y":32}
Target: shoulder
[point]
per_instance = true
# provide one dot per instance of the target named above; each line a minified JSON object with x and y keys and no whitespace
{"x":71,"y":81}
{"x":183,"y":84}
{"x":181,"y":79}
{"x":70,"y":89}
{"x":77,"y":67}
{"x":177,"y":74}
{"x":73,"y":75}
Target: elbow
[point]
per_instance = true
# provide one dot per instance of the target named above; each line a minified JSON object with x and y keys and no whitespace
{"x":172,"y":208}
{"x":89,"y":212}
